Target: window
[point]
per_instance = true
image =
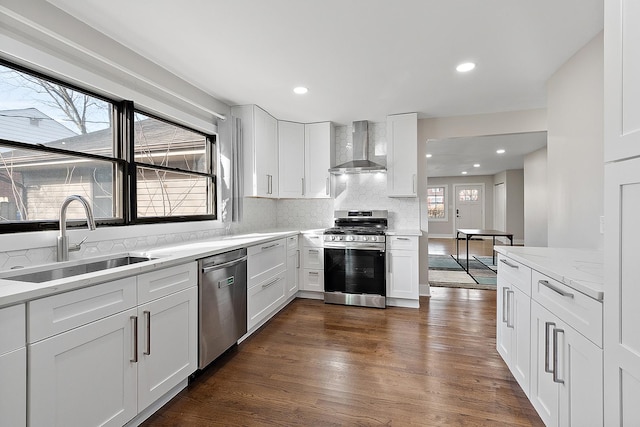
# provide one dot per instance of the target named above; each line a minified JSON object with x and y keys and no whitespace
{"x":437,"y":203}
{"x":56,"y":140}
{"x":174,"y":170}
{"x":468,"y":195}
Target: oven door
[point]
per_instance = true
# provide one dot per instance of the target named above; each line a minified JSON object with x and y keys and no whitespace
{"x":355,"y":270}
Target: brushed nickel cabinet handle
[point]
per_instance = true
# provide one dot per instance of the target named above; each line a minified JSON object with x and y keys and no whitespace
{"x":547,"y":363}
{"x":147,"y":318}
{"x":556,"y":379}
{"x":327,"y":186}
{"x":135,"y":339}
{"x":510,"y":308}
{"x":273,"y":282}
{"x":505,"y":306}
{"x":509,"y":264}
{"x":555,"y":289}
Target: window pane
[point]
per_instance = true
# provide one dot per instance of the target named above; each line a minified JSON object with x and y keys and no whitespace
{"x":162,"y":193}
{"x":436,"y":203}
{"x":164,"y":144}
{"x":37,"y":111}
{"x":34,"y":184}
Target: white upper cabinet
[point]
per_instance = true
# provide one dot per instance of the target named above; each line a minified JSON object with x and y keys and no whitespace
{"x":402,"y":151}
{"x":291,"y":146}
{"x":260,"y":147}
{"x":318,"y":148}
{"x":622,"y":79}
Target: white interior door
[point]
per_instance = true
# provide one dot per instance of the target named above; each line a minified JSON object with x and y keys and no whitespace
{"x":469,"y":205}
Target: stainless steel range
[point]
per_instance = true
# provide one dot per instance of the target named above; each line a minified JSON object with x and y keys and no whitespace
{"x":355,"y":259}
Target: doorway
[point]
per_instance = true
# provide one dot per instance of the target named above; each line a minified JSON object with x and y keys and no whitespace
{"x":469,"y":206}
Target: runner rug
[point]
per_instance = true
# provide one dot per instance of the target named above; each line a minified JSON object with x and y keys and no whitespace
{"x":445,"y":271}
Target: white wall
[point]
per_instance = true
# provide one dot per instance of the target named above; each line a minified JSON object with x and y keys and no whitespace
{"x":575,"y":150}
{"x":513,"y":181}
{"x":535,"y":198}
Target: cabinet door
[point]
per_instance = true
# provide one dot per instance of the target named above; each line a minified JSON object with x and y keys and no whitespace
{"x":264,"y":298}
{"x":504,"y":332}
{"x":168,"y":344}
{"x":544,"y":392}
{"x":86,"y":376}
{"x":622,"y":80}
{"x":621,"y":314}
{"x":520,"y":306}
{"x":313,"y":258}
{"x":293,"y":267}
{"x":13,"y":388}
{"x":581,"y":395}
{"x":402,"y":274}
{"x":402,"y":148}
{"x":266,"y":152}
{"x":291,"y":142}
{"x":318,"y":143}
{"x":312,"y":280}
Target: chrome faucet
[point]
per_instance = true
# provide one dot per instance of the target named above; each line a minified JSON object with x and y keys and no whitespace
{"x":63,"y":241}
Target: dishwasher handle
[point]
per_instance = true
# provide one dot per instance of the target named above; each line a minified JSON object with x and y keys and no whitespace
{"x":206,"y":269}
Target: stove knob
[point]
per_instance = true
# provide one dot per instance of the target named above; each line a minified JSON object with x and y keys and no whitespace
{"x":333,"y":237}
{"x":365,"y":238}
{"x":350,"y":238}
{"x":374,"y":238}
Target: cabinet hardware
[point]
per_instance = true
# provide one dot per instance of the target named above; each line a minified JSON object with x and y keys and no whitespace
{"x":147,"y":316}
{"x":402,"y":238}
{"x":413,"y":183}
{"x":509,"y":306}
{"x":273,"y":282}
{"x":313,"y":273}
{"x":555,"y":289}
{"x":298,"y":259}
{"x":302,"y":186}
{"x":314,"y":251}
{"x":135,"y":339}
{"x":270,"y":246}
{"x":389,"y":263}
{"x":313,"y":237}
{"x":505,"y":305}
{"x":556,"y":379}
{"x":327,"y":186}
{"x":509,"y":264}
{"x":547,"y":364}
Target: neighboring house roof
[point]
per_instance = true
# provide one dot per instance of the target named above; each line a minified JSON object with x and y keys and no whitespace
{"x":32,"y":126}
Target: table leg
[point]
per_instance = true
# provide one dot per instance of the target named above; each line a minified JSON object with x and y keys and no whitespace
{"x":457,"y":247}
{"x":468,"y":237}
{"x":511,"y":239}
{"x":493,"y":251}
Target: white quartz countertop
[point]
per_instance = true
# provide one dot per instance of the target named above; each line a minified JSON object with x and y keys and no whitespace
{"x":14,"y":291}
{"x":580,"y":269}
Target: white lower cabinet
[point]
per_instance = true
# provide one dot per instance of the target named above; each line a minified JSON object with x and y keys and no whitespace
{"x":264,"y":298}
{"x":312,"y":280}
{"x":566,"y":382}
{"x":13,"y":366}
{"x":114,"y":358}
{"x":293,"y":266}
{"x":402,"y":270}
{"x":86,"y":376}
{"x":312,"y":270}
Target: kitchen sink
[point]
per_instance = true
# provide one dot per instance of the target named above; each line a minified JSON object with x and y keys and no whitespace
{"x":55,"y":272}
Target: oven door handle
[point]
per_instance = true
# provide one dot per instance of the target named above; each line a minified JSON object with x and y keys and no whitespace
{"x":371,"y":247}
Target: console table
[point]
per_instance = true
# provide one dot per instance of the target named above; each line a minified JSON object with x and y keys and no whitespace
{"x":470,"y":232}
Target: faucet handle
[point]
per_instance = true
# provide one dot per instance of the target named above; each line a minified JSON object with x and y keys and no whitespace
{"x":77,"y":246}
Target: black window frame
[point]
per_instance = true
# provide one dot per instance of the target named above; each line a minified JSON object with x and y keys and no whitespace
{"x":124,"y":165}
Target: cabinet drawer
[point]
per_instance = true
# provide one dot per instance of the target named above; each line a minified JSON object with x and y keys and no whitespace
{"x":58,"y":313}
{"x":312,"y":280}
{"x":292,"y":243}
{"x":409,"y":243}
{"x":312,"y":240}
{"x":581,"y":312}
{"x":313,"y":258}
{"x":12,"y":328}
{"x":514,"y":273}
{"x":263,"y":299}
{"x":265,"y":261}
{"x":160,"y":283}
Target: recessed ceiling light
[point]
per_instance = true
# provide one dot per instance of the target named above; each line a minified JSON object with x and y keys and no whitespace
{"x":465,"y":67}
{"x":477,"y":165}
{"x":464,"y":172}
{"x":429,"y":156}
{"x":300,"y":90}
{"x":500,"y":151}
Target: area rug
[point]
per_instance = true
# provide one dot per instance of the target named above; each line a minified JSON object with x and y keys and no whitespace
{"x":445,"y":271}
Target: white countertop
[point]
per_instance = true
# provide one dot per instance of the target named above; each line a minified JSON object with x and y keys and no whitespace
{"x":14,"y":292}
{"x":580,"y":269}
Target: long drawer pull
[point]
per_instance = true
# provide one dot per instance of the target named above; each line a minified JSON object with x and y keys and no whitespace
{"x":555,"y":289}
{"x":504,"y":261}
{"x":147,"y":315}
{"x":313,"y":273}
{"x":270,"y":246}
{"x":226,"y":264}
{"x":556,"y":379}
{"x":402,"y":238}
{"x":510,"y":308}
{"x":135,"y":339}
{"x":547,"y":363}
{"x":273,"y":282}
{"x":505,"y":305}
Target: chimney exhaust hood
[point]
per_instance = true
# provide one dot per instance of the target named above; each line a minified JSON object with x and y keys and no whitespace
{"x":360,"y":162}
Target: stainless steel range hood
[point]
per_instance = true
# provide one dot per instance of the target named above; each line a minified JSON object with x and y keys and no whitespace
{"x":360,"y":162}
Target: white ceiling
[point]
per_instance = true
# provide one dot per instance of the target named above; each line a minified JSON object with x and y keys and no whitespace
{"x":452,"y":156}
{"x":360,"y":59}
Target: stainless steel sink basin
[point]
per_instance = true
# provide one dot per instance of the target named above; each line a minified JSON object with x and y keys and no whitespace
{"x":74,"y":270}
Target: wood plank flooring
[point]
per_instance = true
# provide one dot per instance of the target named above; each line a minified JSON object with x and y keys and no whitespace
{"x":316,"y":364}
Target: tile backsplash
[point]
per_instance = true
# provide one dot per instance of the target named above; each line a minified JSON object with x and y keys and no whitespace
{"x":356,"y":191}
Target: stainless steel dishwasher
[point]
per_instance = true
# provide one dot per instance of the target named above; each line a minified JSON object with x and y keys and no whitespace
{"x":222,"y":303}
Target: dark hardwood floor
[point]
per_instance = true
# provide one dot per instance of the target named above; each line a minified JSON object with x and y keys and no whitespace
{"x":329,"y":365}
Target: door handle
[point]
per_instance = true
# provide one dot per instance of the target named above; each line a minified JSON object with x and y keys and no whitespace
{"x":327,"y":186}
{"x":303,"y":186}
{"x":555,"y":289}
{"x":556,"y":378}
{"x":510,"y":308}
{"x":504,"y":261}
{"x":547,"y":364}
{"x":147,"y":316}
{"x":135,"y":339}
{"x":505,"y":306}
